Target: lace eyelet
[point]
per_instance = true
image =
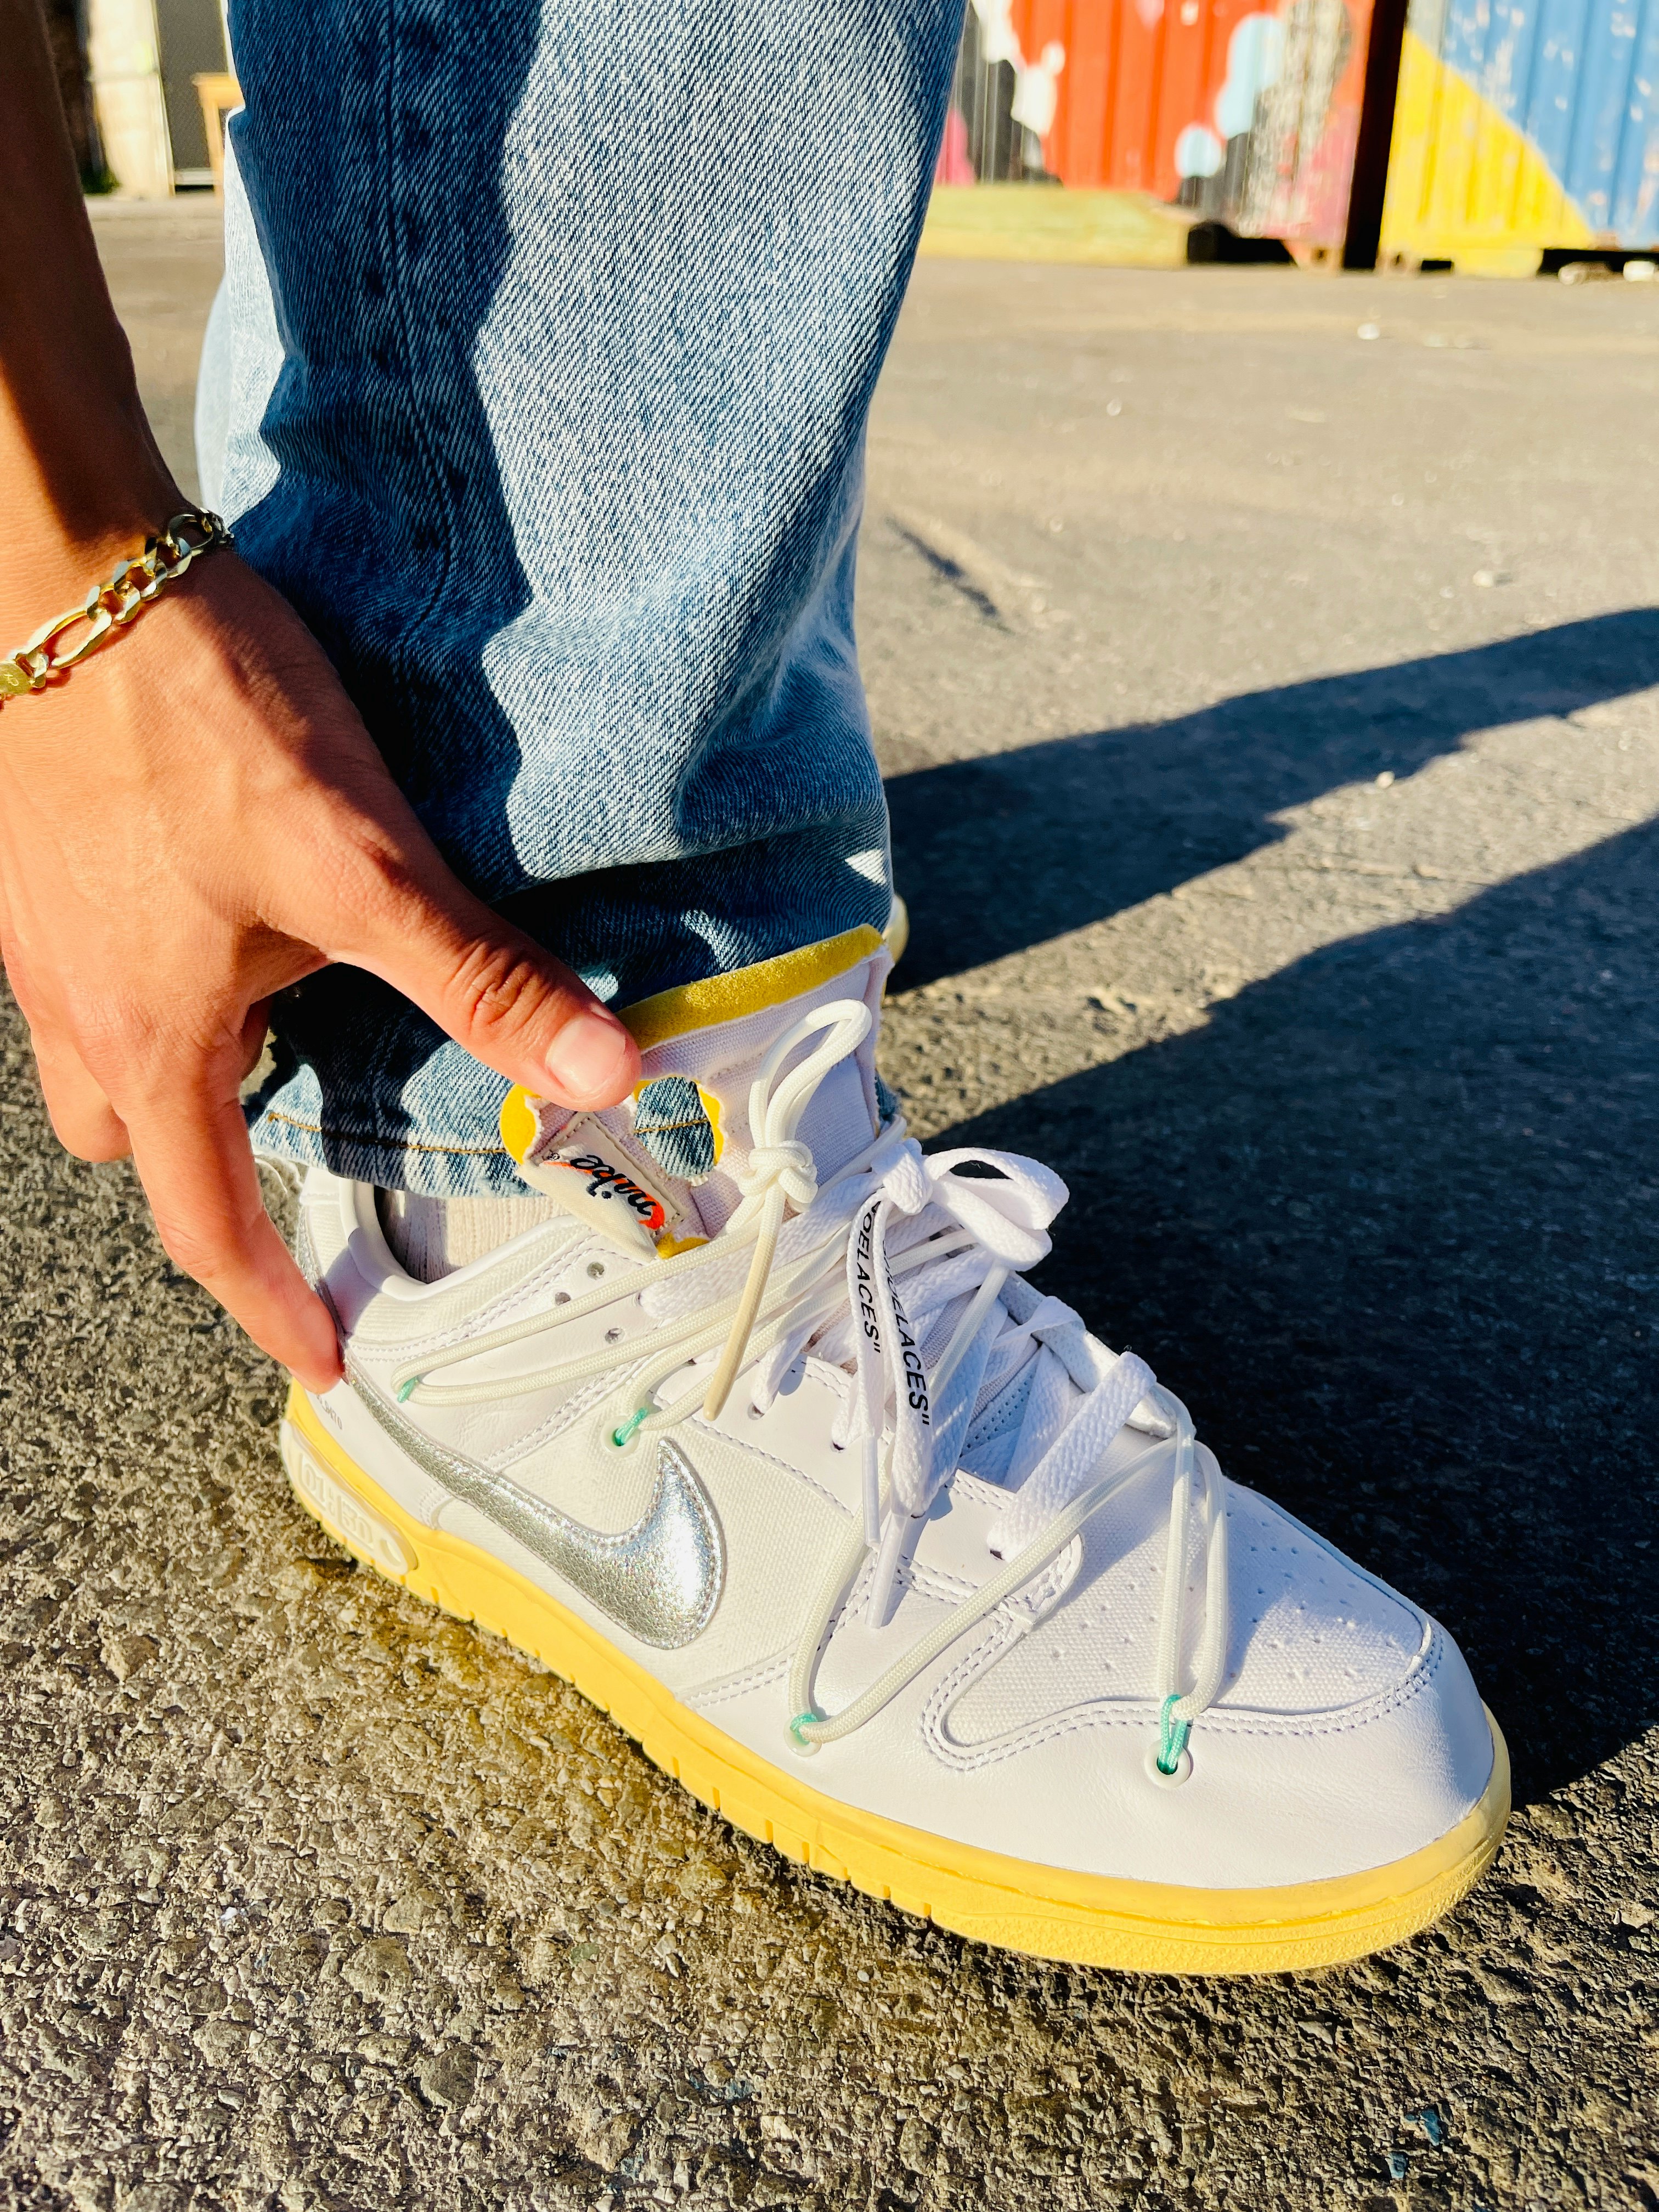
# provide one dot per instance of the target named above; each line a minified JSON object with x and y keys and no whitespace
{"x":596,"y":1267}
{"x":1182,"y":1772}
{"x":613,"y":1336}
{"x":757,"y":1414}
{"x":560,"y":1298}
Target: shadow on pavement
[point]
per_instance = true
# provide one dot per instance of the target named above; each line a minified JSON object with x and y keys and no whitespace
{"x":1151,"y":807}
{"x":1387,"y":1224}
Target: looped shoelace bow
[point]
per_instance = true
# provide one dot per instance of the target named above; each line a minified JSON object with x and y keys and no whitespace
{"x":826,"y":1278}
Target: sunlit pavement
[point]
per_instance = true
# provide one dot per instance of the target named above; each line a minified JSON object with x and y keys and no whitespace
{"x":1273,"y":716}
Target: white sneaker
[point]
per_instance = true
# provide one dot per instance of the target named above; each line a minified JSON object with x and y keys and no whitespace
{"x":766,"y":1444}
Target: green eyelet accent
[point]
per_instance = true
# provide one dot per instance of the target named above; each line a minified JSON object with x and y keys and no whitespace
{"x":619,"y":1437}
{"x":1172,"y":1735}
{"x":802,"y":1743}
{"x":406,"y":1390}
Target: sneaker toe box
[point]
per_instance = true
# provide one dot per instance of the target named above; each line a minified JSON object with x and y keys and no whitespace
{"x":1348,"y":1734}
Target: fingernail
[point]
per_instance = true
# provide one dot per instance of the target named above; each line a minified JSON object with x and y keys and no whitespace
{"x":590,"y":1056}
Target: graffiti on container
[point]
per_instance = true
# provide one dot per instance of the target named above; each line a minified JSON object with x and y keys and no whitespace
{"x":1246,"y":113}
{"x":1263,"y":162}
{"x":1003,"y":106}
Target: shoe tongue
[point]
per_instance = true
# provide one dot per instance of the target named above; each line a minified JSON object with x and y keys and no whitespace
{"x":662,"y":1169}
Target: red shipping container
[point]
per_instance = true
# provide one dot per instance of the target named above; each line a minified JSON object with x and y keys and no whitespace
{"x":1248,"y":114}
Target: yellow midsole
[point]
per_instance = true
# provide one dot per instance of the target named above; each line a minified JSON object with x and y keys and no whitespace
{"x":1091,"y":1919}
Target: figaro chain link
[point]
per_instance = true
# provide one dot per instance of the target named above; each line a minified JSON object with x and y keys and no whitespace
{"x":108,"y":607}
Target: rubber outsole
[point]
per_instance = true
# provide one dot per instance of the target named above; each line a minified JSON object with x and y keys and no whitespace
{"x":1018,"y":1905}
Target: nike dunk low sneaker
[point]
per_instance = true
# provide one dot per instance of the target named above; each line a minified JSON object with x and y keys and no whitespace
{"x":765,"y":1443}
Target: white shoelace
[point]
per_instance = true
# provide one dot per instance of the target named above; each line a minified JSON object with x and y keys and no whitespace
{"x":827,"y":1279}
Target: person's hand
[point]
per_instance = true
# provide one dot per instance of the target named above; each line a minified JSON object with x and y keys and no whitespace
{"x":191,"y":819}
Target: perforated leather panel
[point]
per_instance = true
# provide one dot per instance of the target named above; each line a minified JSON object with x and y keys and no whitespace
{"x":1310,"y":1633}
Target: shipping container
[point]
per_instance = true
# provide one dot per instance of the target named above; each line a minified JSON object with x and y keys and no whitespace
{"x":143,"y":58}
{"x":1244,"y":115}
{"x":1522,"y":126}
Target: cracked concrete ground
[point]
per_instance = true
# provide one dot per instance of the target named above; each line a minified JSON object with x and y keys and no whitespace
{"x":1273,"y":715}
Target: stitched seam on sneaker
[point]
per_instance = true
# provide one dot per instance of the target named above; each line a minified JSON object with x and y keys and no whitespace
{"x":477,"y":1320}
{"x":730,"y":1688}
{"x":564,"y":1417}
{"x":1143,"y":1713}
{"x":819,"y":1489}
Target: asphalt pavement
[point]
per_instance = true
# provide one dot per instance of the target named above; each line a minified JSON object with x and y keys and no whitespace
{"x":1266,"y":669}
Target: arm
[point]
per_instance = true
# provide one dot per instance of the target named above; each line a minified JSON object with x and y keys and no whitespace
{"x":196,"y":817}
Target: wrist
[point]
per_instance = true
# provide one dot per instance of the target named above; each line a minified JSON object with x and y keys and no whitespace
{"x":63,"y":641}
{"x":82,"y":482}
{"x":51,"y":559}
{"x":80,"y":471}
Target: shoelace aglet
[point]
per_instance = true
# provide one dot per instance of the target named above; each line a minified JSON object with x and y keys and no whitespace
{"x":870,"y":1479}
{"x":967,"y":1330}
{"x":899,"y":1527}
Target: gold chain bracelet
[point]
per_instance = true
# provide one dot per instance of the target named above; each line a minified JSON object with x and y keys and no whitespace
{"x":108,"y":607}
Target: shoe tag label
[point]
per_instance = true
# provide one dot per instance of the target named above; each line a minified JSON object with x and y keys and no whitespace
{"x":591,"y":1171}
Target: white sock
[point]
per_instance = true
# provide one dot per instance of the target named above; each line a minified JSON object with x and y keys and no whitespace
{"x":431,"y":1237}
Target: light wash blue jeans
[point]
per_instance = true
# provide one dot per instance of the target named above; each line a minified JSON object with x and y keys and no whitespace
{"x":548,"y":338}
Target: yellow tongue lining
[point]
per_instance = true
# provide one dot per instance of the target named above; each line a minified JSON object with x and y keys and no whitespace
{"x":746,"y":990}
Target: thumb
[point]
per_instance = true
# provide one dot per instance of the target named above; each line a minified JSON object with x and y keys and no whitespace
{"x":498,"y":993}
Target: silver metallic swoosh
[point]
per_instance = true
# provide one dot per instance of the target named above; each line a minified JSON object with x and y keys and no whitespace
{"x":661,"y":1580}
